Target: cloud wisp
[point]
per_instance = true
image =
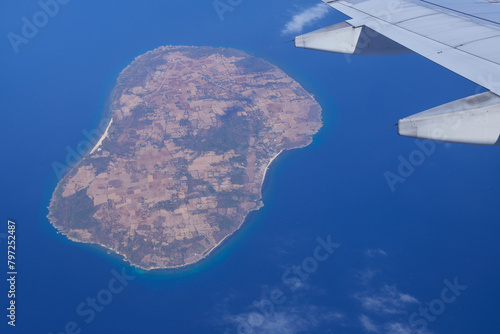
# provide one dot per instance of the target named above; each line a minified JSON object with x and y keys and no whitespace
{"x":288,"y":320}
{"x":375,"y":252}
{"x":386,"y":301}
{"x":305,"y":18}
{"x":384,"y":309}
{"x":368,"y":324}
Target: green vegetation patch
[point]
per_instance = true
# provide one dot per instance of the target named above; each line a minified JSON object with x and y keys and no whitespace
{"x":100,"y":164}
{"x":223,"y":222}
{"x":198,"y":53}
{"x":238,"y":176}
{"x":253,"y":65}
{"x":169,"y":205}
{"x":228,"y":199}
{"x":232,"y":134}
{"x":76,"y":211}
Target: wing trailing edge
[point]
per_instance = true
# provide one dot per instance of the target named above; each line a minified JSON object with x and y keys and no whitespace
{"x":471,"y":120}
{"x":347,"y":39}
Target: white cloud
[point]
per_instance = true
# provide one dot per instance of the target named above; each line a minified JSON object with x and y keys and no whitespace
{"x":368,"y":324}
{"x":293,"y":316}
{"x":387,"y":300}
{"x":387,"y":306}
{"x":375,"y":252}
{"x":305,"y":18}
{"x":406,"y":298}
{"x":398,"y":328}
{"x":366,"y":276}
{"x":287,"y":320}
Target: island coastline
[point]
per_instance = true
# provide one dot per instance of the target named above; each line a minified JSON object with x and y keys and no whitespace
{"x":84,"y":172}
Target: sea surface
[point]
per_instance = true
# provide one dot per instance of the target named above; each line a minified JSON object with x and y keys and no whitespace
{"x":394,"y":249}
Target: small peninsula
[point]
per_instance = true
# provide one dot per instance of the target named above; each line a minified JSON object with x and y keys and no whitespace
{"x":190,"y":134}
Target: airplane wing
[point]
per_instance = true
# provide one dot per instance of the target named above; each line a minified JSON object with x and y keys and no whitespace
{"x":460,"y":35}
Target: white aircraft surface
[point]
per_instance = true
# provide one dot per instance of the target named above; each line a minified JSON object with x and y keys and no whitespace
{"x":460,"y":35}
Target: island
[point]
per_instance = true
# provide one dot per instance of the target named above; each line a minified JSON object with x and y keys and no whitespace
{"x":190,"y":134}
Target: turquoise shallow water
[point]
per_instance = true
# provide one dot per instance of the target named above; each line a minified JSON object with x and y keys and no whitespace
{"x":439,"y":224}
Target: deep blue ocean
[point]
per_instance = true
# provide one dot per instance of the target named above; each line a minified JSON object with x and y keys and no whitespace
{"x":397,"y":251}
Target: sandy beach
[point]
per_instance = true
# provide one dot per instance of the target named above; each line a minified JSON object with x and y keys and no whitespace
{"x":102,"y":137}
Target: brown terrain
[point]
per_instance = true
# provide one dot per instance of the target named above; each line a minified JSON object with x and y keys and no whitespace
{"x":182,"y":163}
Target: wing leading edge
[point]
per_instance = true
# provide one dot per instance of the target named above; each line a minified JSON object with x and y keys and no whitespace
{"x":457,"y":38}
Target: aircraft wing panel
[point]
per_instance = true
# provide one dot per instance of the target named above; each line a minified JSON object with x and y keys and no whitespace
{"x":460,"y":35}
{"x":455,"y":41}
